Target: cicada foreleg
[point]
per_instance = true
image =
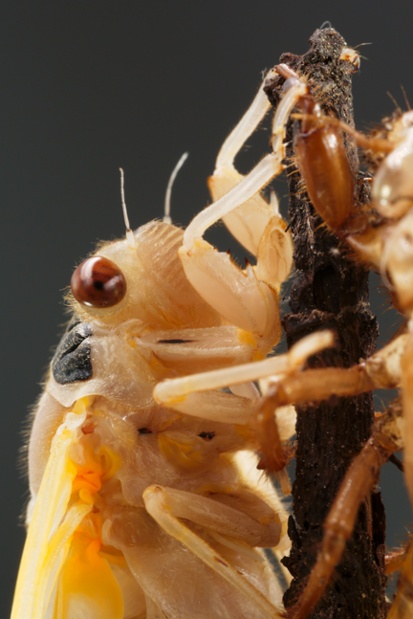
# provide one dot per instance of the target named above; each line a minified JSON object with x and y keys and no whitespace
{"x":246,"y":298}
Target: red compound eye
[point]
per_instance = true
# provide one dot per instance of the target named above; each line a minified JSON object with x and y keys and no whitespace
{"x":98,"y":282}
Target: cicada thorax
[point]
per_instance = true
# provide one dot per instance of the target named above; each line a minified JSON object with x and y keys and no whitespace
{"x":103,"y":352}
{"x":136,"y":317}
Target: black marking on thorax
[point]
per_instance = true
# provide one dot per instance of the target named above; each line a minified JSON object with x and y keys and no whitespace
{"x":72,"y":359}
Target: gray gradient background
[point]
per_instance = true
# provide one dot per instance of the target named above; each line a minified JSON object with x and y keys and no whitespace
{"x":90,"y":85}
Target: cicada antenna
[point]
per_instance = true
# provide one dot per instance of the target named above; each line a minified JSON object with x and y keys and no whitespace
{"x":394,"y":101}
{"x":167,"y":207}
{"x":406,"y":99}
{"x":130,"y":237}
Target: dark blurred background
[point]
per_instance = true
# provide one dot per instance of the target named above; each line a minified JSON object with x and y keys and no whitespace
{"x":91,"y":85}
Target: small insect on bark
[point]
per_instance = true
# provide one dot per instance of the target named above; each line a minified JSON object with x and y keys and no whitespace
{"x":145,"y":498}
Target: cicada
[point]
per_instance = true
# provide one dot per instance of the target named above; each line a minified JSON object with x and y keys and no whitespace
{"x":145,"y":500}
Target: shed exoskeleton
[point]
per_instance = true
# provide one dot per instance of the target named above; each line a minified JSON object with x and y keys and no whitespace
{"x":379,"y":234}
{"x":144,"y":507}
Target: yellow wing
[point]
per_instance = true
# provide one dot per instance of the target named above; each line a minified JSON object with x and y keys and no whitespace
{"x":62,"y":573}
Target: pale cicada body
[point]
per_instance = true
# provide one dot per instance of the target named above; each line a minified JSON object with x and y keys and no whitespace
{"x":116,"y":446}
{"x":148,"y":506}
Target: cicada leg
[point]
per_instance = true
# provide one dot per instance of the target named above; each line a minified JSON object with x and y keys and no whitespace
{"x":199,"y":395}
{"x":380,"y":371}
{"x":175,"y":393}
{"x":338,"y":527}
{"x":230,"y":526}
{"x":246,"y":298}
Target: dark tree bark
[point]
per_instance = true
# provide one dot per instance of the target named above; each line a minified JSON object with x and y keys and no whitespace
{"x":330,"y":291}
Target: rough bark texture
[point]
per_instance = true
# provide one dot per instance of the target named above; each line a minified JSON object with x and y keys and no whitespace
{"x":330,"y":291}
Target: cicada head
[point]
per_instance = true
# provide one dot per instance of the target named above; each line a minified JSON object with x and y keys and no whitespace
{"x":143,"y":280}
